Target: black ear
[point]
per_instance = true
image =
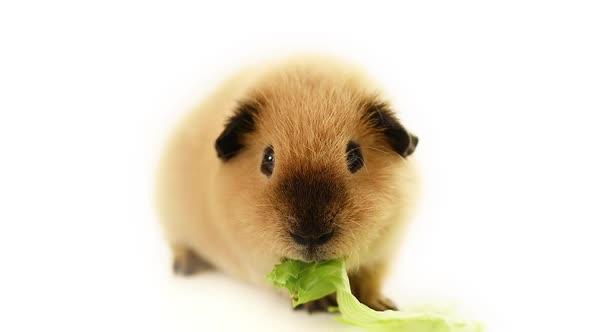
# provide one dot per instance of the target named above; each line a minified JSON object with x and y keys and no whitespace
{"x":231,"y":140}
{"x":382,"y":118}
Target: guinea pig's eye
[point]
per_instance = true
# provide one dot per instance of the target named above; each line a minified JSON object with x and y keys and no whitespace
{"x":268,"y":161}
{"x":354,"y":157}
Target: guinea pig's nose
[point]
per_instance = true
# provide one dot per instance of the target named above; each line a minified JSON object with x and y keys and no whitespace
{"x":311,"y":239}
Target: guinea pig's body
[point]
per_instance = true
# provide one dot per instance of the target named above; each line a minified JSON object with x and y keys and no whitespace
{"x":300,"y":159}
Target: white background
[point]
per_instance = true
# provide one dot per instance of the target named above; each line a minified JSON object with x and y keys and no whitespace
{"x":497,"y":92}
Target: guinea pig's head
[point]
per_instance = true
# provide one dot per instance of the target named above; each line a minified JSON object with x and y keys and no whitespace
{"x":317,"y":161}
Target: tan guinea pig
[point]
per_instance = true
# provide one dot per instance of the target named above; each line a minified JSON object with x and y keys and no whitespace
{"x":302,"y":159}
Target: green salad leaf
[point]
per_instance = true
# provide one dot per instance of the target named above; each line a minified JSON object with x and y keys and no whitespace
{"x":311,"y":281}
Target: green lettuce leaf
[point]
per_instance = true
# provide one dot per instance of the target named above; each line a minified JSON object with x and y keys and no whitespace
{"x":311,"y":281}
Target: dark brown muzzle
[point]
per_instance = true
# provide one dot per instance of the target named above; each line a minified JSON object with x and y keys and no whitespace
{"x":312,"y":199}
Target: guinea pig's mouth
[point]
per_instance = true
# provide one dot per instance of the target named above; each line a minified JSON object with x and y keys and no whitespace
{"x":308,"y":257}
{"x":312,"y":253}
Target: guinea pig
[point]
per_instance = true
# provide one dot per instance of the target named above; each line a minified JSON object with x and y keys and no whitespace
{"x":302,"y":159}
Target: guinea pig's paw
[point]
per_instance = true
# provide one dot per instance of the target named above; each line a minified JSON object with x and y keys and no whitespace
{"x":378,"y":302}
{"x":320,"y":305}
{"x":187,"y":263}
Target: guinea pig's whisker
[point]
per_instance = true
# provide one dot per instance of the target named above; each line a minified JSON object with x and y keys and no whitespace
{"x":366,"y":169}
{"x":394,"y":156}
{"x":349,"y":231}
{"x":355,"y":222}
{"x":354,"y":258}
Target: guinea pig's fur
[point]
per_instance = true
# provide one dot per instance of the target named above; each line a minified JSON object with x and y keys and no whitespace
{"x":337,"y":179}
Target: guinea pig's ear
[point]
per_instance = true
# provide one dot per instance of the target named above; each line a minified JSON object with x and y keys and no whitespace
{"x":383,"y":119}
{"x":231,"y":140}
